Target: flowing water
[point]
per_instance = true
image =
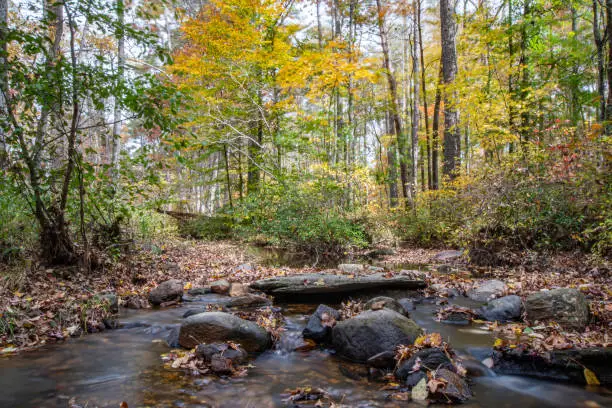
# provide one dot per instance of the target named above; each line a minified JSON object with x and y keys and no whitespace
{"x":124,"y":365}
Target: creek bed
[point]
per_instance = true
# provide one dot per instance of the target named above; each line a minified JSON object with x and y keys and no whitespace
{"x":124,"y":365}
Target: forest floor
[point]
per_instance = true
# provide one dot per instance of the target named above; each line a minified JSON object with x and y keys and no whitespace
{"x":42,"y":305}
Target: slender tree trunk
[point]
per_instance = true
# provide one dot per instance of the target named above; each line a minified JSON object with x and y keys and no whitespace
{"x":415,"y":106}
{"x":116,"y":142}
{"x":452,"y":136}
{"x":599,"y":46}
{"x":425,"y":107}
{"x":319,"y":29}
{"x":435,"y":178}
{"x":608,"y":118}
{"x":3,"y":82}
{"x":227,"y":176}
{"x":391,"y":164}
{"x":524,"y":63}
{"x":393,"y":100}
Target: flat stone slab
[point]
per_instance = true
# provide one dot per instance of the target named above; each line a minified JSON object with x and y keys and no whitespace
{"x":318,"y":284}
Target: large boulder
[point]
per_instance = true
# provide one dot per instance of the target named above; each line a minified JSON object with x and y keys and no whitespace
{"x":211,"y":327}
{"x":373,"y":332}
{"x":166,"y":292}
{"x":487,"y":290}
{"x":327,"y":284}
{"x":568,"y":307}
{"x":380,"y":302}
{"x":320,"y":324}
{"x":503,"y":309}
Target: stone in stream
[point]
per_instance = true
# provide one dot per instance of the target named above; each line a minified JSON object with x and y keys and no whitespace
{"x":238,"y":289}
{"x":556,"y":365}
{"x":380,"y":302}
{"x":428,"y":359}
{"x":352,"y":268}
{"x":249,"y":300}
{"x":203,"y":290}
{"x":568,"y":307}
{"x":503,"y":309}
{"x":207,"y":351}
{"x":168,"y":291}
{"x":327,"y":284}
{"x":454,"y":388}
{"x":221,"y":287}
{"x":487,"y":290}
{"x":213,"y":327}
{"x":373,"y":332}
{"x":320,"y":324}
{"x":384,"y":360}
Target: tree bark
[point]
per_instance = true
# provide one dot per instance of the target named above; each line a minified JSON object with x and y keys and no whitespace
{"x":608,"y":118}
{"x":393,"y":101}
{"x":3,"y":81}
{"x":425,"y":106}
{"x":452,"y":136}
{"x":415,"y":106}
{"x":116,"y":142}
{"x":435,"y":178}
{"x":599,"y":46}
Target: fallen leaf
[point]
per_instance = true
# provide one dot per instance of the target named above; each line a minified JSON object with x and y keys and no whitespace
{"x":590,"y":377}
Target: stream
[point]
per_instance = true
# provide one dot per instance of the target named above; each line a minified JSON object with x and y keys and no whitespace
{"x":124,"y":365}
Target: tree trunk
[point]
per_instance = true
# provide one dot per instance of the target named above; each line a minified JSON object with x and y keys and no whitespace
{"x":116,"y":142}
{"x":452,"y":136}
{"x":608,"y":118}
{"x":393,"y":101}
{"x":415,"y":107}
{"x":425,"y":107}
{"x":435,"y":178}
{"x":391,"y":165}
{"x":3,"y":81}
{"x":599,"y":46}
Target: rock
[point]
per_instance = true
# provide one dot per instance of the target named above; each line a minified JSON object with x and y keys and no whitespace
{"x":134,"y":302}
{"x":320,"y":324}
{"x":568,"y":307}
{"x":351,"y":268}
{"x":111,"y":300}
{"x":319,"y":284}
{"x":384,"y":360}
{"x":213,"y":327}
{"x":171,"y":267}
{"x":419,"y":390}
{"x":375,"y":269}
{"x":372,"y":332}
{"x":249,"y":300}
{"x":221,"y":365}
{"x":430,"y":359}
{"x":487,"y":290}
{"x":445,"y":291}
{"x":238,"y":289}
{"x":192,"y":312}
{"x":556,"y":365}
{"x":382,"y":301}
{"x":455,"y":389}
{"x":407,"y":304}
{"x":447,"y":256}
{"x":503,"y":309}
{"x":207,"y":351}
{"x":222,"y":287}
{"x":204,"y":290}
{"x":166,"y":291}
